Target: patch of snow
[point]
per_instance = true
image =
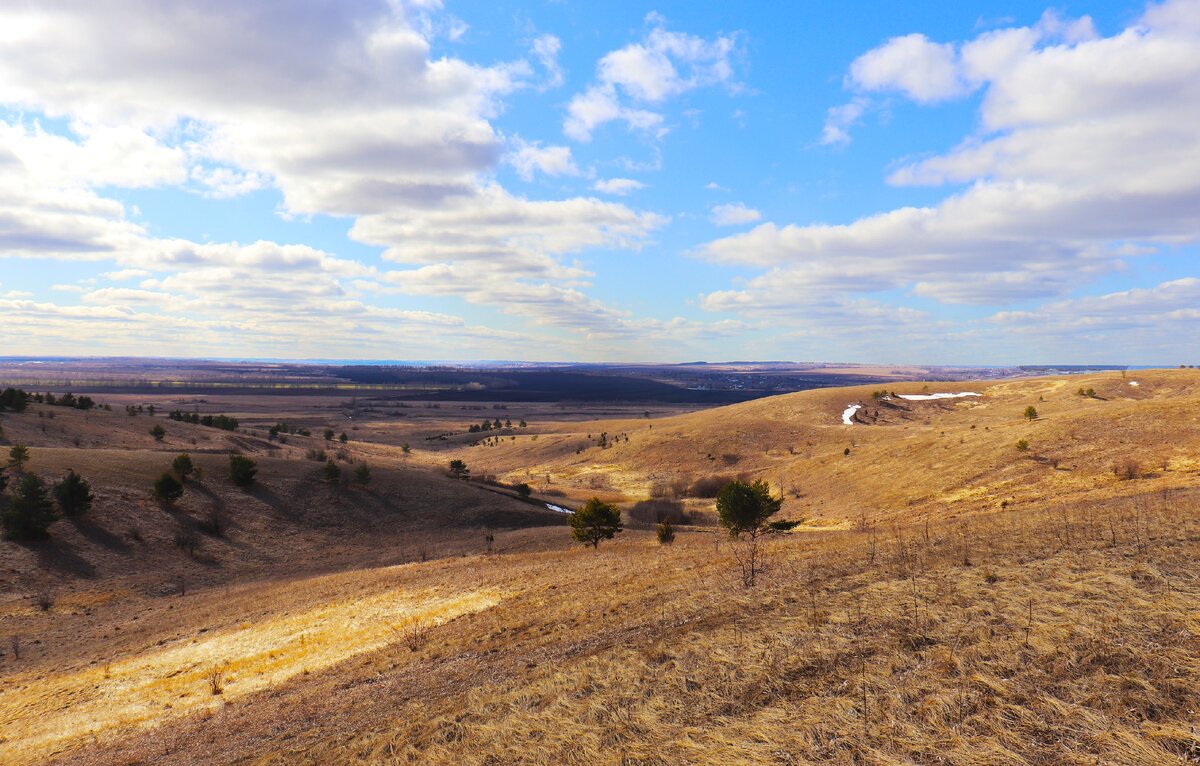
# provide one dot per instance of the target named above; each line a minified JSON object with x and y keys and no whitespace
{"x":558,"y":509}
{"x":848,"y":415}
{"x":927,"y":397}
{"x":1134,"y":383}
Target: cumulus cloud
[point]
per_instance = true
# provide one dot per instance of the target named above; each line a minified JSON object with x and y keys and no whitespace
{"x":618,"y":186}
{"x":345,"y":112}
{"x":1087,"y":158}
{"x":923,"y":70}
{"x":734,"y":214}
{"x":661,"y":66}
{"x":531,"y":158}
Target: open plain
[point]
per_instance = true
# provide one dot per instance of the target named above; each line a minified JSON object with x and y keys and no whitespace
{"x":966,"y":584}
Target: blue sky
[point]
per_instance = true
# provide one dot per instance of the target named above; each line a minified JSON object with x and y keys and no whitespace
{"x":926,"y":183}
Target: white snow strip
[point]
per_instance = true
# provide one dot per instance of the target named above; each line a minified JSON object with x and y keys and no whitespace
{"x":927,"y":397}
{"x":848,"y":415}
{"x":557,"y":508}
{"x":1134,"y":383}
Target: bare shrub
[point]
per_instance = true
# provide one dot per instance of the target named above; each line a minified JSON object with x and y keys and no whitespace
{"x":1127,"y":469}
{"x":216,"y":522}
{"x":665,"y":533}
{"x":731,"y":458}
{"x":708,"y":486}
{"x":411,"y":634}
{"x":216,"y":681}
{"x":676,"y":488}
{"x":185,"y":538}
{"x":44,"y":600}
{"x":658,"y":511}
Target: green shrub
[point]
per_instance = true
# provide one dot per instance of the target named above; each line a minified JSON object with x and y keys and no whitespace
{"x":182,"y":465}
{"x":331,"y":473}
{"x":242,"y":470}
{"x":167,"y":488}
{"x":29,"y":512}
{"x":74,"y":494}
{"x":362,"y":474}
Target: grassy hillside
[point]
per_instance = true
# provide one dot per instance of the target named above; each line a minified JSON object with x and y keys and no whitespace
{"x":901,"y":458}
{"x":915,"y":621}
{"x":1021,"y":638}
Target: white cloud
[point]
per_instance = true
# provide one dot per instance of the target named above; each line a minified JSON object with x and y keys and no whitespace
{"x":599,"y":105}
{"x":923,"y":70}
{"x":734,"y":214}
{"x":839,"y":120}
{"x":546,"y":49}
{"x":1088,"y":158}
{"x":661,"y":66}
{"x":342,"y":109}
{"x":618,"y":186}
{"x":530,"y":158}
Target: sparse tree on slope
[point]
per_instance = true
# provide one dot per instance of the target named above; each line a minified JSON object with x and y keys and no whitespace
{"x":18,"y":456}
{"x":74,"y":494}
{"x":182,"y":465}
{"x":167,"y":488}
{"x":362,"y":474}
{"x":29,"y":512}
{"x":331,"y":473}
{"x":242,"y":470}
{"x":745,"y":509}
{"x":595,"y":521}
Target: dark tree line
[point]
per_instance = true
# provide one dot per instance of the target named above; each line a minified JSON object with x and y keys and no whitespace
{"x":223,"y":422}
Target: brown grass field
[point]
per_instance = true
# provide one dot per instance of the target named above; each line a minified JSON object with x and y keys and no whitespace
{"x":949,"y":598}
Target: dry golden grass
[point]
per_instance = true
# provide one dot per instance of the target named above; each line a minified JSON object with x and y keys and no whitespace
{"x":146,"y":689}
{"x":1068,"y":635}
{"x":914,"y":622}
{"x":943,"y":458}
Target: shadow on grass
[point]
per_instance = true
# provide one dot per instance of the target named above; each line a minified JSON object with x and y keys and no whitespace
{"x":59,"y":556}
{"x":99,"y":535}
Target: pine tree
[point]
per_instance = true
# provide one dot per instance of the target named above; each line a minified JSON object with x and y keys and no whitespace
{"x":595,"y":521}
{"x":74,"y":494}
{"x":29,"y":513}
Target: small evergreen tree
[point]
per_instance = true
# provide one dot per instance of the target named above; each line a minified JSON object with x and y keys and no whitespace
{"x":344,"y":438}
{"x":74,"y":494}
{"x":362,"y":474}
{"x":523,"y":489}
{"x":745,"y":509}
{"x":29,"y":512}
{"x":18,"y":456}
{"x":328,"y":434}
{"x":331,"y":473}
{"x":167,"y":489}
{"x":1031,"y":413}
{"x":242,"y":470}
{"x":158,"y":432}
{"x":459,"y":470}
{"x":183,"y":467}
{"x":595,"y":521}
